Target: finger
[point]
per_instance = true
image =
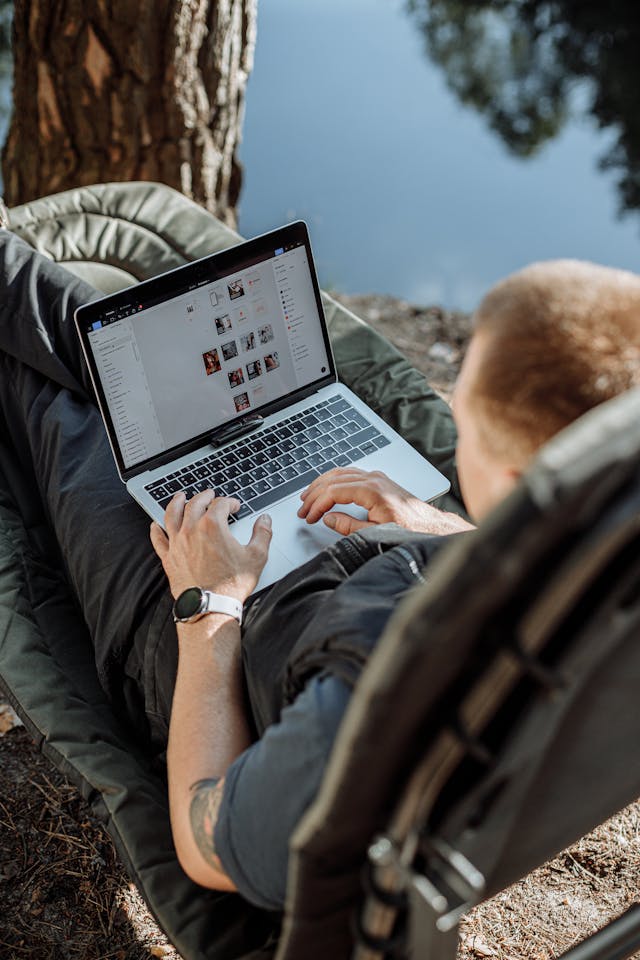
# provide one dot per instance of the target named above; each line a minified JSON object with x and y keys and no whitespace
{"x":336,"y":475}
{"x":174,"y":513}
{"x":261,"y":536}
{"x":218,"y":510}
{"x":343,"y":524}
{"x":321,"y":486}
{"x":352,"y":492}
{"x":321,"y":489}
{"x":198,"y":506}
{"x":159,"y":539}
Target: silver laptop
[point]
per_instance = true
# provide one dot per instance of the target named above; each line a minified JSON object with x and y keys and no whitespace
{"x":220,"y":374}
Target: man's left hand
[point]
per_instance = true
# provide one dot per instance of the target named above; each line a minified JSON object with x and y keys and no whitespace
{"x":198,"y":549}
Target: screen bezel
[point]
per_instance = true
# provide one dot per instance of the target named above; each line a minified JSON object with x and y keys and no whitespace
{"x":177,"y":282}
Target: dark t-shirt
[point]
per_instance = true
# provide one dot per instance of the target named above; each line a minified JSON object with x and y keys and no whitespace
{"x":269,"y":787}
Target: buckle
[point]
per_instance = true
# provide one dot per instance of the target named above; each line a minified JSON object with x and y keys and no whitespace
{"x":439,"y":894}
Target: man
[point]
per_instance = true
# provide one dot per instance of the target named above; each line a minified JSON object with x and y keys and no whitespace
{"x":550,"y":343}
{"x":234,"y":800}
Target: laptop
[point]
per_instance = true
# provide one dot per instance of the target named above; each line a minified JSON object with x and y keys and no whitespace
{"x":220,"y":374}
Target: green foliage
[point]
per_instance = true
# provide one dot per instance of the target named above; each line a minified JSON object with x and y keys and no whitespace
{"x":519,"y":63}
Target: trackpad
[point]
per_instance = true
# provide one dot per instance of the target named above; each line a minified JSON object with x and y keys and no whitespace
{"x":293,"y":542}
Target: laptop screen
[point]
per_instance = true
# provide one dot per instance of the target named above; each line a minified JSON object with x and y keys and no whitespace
{"x":177,"y":357}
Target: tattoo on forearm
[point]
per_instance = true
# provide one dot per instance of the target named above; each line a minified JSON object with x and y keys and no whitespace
{"x":203,"y":812}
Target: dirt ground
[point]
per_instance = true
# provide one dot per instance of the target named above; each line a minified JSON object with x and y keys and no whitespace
{"x":64,"y":895}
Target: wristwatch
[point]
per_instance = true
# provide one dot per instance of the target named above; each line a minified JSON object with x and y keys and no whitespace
{"x":194,"y":603}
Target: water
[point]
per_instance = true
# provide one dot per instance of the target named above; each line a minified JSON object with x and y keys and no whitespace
{"x":350,"y":127}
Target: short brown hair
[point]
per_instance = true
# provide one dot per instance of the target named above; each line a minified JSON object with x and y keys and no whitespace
{"x":563,"y":336}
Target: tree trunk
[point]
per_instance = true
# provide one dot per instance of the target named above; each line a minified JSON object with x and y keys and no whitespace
{"x":110,"y":90}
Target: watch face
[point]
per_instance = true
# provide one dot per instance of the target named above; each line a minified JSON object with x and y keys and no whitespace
{"x":188,"y":603}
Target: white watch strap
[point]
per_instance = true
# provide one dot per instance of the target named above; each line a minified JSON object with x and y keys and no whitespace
{"x":218,"y":603}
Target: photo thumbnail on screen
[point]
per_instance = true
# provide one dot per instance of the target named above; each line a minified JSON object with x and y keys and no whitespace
{"x":211,"y":362}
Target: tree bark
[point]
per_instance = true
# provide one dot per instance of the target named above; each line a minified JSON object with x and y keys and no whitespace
{"x":111,"y":90}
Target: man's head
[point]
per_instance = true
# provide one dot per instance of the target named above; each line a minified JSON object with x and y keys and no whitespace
{"x":550,"y":342}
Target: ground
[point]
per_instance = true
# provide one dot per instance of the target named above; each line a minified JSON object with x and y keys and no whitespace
{"x":64,"y":895}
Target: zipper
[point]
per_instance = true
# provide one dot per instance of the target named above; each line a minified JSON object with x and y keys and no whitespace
{"x":413,"y":566}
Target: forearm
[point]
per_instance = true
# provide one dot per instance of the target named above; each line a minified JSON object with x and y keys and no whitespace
{"x":208,"y":730}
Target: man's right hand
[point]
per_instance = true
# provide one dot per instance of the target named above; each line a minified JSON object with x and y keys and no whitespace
{"x":385,"y":501}
{"x":199,"y":549}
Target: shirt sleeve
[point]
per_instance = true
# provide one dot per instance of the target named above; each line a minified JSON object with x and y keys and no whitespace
{"x":269,"y":787}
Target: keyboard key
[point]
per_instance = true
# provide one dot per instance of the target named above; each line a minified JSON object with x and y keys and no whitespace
{"x":351,"y":427}
{"x":272,"y":467}
{"x":243,"y":451}
{"x":340,"y":419}
{"x":244,"y":511}
{"x":231,"y":488}
{"x":316,"y":460}
{"x":285,"y":460}
{"x":256,"y":445}
{"x":310,"y":419}
{"x":172,"y":486}
{"x":233,"y":471}
{"x":343,"y":446}
{"x":343,"y":461}
{"x":297,"y":426}
{"x":261,"y":486}
{"x":269,"y":439}
{"x":155,"y":485}
{"x":359,"y":438}
{"x":200,"y":486}
{"x":359,"y":419}
{"x":261,"y":458}
{"x":289,"y":473}
{"x":381,"y":442}
{"x":201,"y":472}
{"x":247,"y":493}
{"x":368,"y":447}
{"x":259,"y":503}
{"x":283,"y":432}
{"x":258,"y":473}
{"x":287,"y":444}
{"x":228,"y":458}
{"x":314,"y":434}
{"x":246,"y":465}
{"x":158,"y":493}
{"x":186,"y":479}
{"x":339,"y":434}
{"x":339,"y":403}
{"x":275,"y":479}
{"x":312,"y":446}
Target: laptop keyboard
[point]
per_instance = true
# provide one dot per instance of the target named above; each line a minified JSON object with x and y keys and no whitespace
{"x":279,"y":460}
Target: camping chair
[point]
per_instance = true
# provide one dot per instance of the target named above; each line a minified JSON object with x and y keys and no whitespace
{"x":517,"y":667}
{"x":522,"y":685}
